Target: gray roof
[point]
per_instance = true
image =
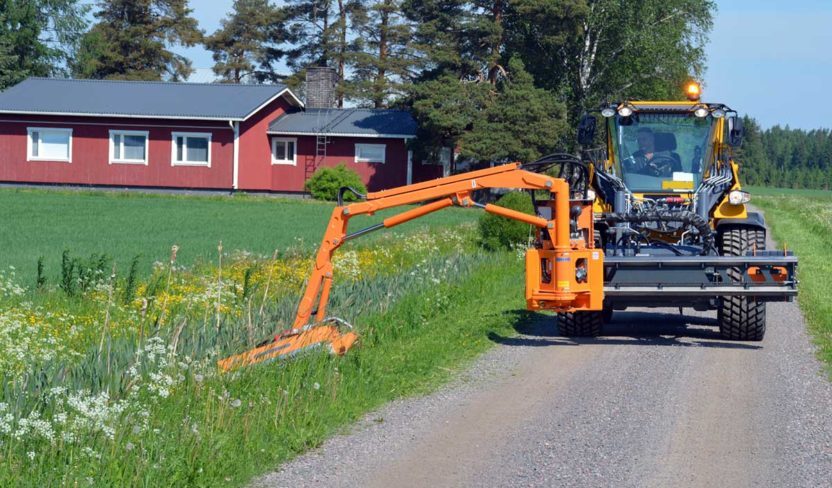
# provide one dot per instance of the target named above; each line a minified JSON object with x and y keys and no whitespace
{"x":150,"y":99}
{"x":356,"y":122}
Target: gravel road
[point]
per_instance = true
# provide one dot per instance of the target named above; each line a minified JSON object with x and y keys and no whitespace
{"x":659,"y":401}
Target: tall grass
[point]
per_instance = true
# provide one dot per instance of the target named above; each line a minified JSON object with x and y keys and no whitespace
{"x":99,"y":391}
{"x":804,"y":225}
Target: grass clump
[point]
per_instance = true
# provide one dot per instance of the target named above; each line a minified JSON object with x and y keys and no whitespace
{"x":503,"y":233}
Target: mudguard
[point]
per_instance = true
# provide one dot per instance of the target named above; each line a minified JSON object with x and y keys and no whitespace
{"x":755,"y":220}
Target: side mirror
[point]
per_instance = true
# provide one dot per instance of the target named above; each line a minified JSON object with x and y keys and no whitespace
{"x":586,"y":130}
{"x":735,"y":131}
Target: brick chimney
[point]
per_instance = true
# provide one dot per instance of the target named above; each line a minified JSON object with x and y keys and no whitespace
{"x":321,"y":83}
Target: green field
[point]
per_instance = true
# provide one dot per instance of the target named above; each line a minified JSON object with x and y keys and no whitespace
{"x":39,"y":223}
{"x":802,"y":221}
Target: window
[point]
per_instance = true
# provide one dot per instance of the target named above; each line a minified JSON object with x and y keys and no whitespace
{"x":48,"y":144}
{"x":445,"y":156}
{"x":369,"y":153}
{"x":284,"y":150}
{"x":191,"y":149}
{"x":128,"y":147}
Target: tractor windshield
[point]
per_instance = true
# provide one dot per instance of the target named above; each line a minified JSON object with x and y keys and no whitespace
{"x":661,"y":152}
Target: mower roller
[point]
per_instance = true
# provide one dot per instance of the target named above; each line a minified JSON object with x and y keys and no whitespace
{"x":655,"y":218}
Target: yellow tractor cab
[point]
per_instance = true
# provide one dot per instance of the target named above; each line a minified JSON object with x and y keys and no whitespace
{"x":671,"y":217}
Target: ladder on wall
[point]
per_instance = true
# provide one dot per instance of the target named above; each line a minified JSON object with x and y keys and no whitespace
{"x":312,"y":164}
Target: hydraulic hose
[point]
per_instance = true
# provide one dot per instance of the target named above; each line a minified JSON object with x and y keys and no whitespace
{"x":681,"y":216}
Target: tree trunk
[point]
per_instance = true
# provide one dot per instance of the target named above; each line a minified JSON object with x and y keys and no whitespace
{"x":342,"y":50}
{"x":381,"y":73}
{"x":497,"y":42}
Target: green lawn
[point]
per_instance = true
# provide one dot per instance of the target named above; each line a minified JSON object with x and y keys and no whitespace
{"x":44,"y":223}
{"x":802,"y":220}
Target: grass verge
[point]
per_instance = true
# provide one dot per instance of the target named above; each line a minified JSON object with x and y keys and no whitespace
{"x":804,"y":224}
{"x":99,"y":392}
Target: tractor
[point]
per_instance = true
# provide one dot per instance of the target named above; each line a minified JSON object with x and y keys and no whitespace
{"x":656,"y":218}
{"x":673,"y":220}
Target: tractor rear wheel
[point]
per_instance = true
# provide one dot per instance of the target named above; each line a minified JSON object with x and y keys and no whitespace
{"x":580,"y":324}
{"x":741,"y":318}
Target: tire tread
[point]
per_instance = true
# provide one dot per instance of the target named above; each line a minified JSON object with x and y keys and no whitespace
{"x":741,"y":318}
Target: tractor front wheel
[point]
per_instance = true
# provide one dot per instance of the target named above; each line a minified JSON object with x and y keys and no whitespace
{"x":741,"y":318}
{"x":580,"y":324}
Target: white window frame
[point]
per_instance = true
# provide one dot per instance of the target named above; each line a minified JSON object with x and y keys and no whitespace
{"x":29,"y":156}
{"x":114,"y":133}
{"x":365,"y":160}
{"x":186,"y":135}
{"x":288,"y":162}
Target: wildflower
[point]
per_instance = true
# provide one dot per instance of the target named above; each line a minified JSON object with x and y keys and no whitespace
{"x":198,"y":378}
{"x":129,"y":446}
{"x":87,"y":450}
{"x":316,"y":386}
{"x":31,"y":455}
{"x":236,"y":402}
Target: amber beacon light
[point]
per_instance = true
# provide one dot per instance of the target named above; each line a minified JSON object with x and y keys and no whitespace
{"x":693,"y":91}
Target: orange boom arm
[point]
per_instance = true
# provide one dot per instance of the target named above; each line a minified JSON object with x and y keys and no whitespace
{"x":563,"y":272}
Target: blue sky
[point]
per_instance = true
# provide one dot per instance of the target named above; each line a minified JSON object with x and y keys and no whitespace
{"x":771,"y":59}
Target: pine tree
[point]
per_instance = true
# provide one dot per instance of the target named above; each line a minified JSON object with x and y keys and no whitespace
{"x":512,"y":120}
{"x":521,"y":122}
{"x":38,"y":37}
{"x":248,"y":45}
{"x":319,"y":36}
{"x":8,"y":63}
{"x":447,"y":38}
{"x":132,"y":41}
{"x":384,"y":60}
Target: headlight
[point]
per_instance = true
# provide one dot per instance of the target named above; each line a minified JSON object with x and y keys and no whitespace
{"x":625,"y":110}
{"x":718,"y":113}
{"x":608,"y":112}
{"x":737,"y":197}
{"x":700,"y":111}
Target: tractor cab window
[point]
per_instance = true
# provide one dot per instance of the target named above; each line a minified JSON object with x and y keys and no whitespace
{"x":661,"y":152}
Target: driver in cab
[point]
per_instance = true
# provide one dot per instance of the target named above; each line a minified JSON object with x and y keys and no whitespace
{"x":647,"y":160}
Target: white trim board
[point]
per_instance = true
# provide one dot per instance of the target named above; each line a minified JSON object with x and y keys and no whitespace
{"x":340,"y":134}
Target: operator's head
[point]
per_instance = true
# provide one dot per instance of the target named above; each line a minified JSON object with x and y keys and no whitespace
{"x":646,"y":139}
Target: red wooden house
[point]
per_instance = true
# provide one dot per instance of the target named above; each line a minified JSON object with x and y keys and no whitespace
{"x":193,"y":136}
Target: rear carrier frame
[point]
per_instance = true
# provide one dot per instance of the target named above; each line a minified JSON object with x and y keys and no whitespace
{"x":767,"y":276}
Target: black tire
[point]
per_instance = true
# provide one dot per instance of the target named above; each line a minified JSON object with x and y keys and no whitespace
{"x":741,"y":318}
{"x":580,"y":324}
